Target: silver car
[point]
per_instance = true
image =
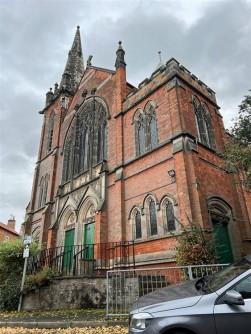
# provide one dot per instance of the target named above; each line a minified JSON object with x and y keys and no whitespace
{"x":217,"y":304}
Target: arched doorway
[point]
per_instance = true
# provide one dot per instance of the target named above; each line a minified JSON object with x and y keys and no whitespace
{"x":221,"y":218}
{"x":69,"y":242}
{"x":89,"y":229}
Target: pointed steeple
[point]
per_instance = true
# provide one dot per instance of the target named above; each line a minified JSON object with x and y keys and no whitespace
{"x":74,"y":68}
{"x":120,"y":60}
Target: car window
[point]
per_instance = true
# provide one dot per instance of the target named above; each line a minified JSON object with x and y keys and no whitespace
{"x":226,"y":275}
{"x":244,"y":288}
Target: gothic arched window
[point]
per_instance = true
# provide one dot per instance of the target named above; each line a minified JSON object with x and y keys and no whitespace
{"x":86,"y":141}
{"x":43,"y":189}
{"x":152,"y":218}
{"x":50,"y":131}
{"x":208,"y":126}
{"x":203,"y":123}
{"x":46,"y":181}
{"x":170,"y":219}
{"x":146,"y":131}
{"x":138,"y":230}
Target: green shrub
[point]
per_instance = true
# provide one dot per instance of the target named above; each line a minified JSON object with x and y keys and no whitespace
{"x":34,"y":282}
{"x":11,"y":270}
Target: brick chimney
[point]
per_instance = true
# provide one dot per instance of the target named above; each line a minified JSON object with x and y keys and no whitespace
{"x":12,"y":223}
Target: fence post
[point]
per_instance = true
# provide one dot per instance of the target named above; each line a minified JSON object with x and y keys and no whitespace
{"x":190,"y":273}
{"x":107,"y":293}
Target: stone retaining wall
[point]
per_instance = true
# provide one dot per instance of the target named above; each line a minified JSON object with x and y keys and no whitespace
{"x":67,"y":293}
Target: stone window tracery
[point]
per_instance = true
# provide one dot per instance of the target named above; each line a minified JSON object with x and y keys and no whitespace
{"x":86,"y":141}
{"x":203,"y":123}
{"x":146,"y":131}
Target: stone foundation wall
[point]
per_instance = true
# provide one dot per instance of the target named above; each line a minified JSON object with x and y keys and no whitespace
{"x":67,"y":293}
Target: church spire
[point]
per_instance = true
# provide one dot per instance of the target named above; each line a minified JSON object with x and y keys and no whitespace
{"x":75,"y":64}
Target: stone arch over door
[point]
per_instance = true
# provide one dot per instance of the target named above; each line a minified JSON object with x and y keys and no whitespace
{"x":221,"y":218}
{"x":67,"y":223}
{"x":87,"y":213}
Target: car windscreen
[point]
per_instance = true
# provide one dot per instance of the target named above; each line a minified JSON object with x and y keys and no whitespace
{"x":226,"y":275}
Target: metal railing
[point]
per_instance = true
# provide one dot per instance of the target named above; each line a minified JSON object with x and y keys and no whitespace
{"x":125,"y":286}
{"x":84,"y":260}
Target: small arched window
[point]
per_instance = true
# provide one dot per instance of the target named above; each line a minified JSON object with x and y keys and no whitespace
{"x":152,"y":218}
{"x":41,"y":191}
{"x":170,"y":217}
{"x":50,"y":131}
{"x":44,"y":200}
{"x":138,"y":230}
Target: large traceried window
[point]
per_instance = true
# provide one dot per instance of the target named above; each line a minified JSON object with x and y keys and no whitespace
{"x":146,"y":130}
{"x":203,"y":123}
{"x":86,"y":141}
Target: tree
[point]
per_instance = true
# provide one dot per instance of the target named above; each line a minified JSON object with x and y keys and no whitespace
{"x":237,"y":153}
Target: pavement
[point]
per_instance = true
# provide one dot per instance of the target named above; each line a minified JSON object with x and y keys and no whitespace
{"x":59,"y":320}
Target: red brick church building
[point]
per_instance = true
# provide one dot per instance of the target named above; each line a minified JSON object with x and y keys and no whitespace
{"x":122,"y":164}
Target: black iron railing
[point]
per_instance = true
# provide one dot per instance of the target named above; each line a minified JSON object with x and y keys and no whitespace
{"x":84,"y":260}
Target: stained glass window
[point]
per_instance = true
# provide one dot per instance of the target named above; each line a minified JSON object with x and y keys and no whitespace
{"x":86,"y":139}
{"x":153,"y":218}
{"x":170,"y":217}
{"x":138,"y":232}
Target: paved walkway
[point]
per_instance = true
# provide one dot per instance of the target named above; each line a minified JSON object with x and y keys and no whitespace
{"x":59,"y":320}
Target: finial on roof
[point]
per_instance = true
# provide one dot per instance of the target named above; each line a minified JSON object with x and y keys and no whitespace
{"x":78,"y":27}
{"x":120,"y":61}
{"x":160,"y":61}
{"x":89,"y":63}
{"x":120,"y":46}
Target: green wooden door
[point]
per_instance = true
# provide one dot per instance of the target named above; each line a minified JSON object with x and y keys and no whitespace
{"x":89,"y":241}
{"x":68,"y":249}
{"x":223,"y":245}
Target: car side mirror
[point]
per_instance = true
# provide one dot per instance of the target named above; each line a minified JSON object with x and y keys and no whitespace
{"x":233,"y":297}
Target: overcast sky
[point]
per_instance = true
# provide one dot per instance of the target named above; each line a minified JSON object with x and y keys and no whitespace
{"x":210,"y":38}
